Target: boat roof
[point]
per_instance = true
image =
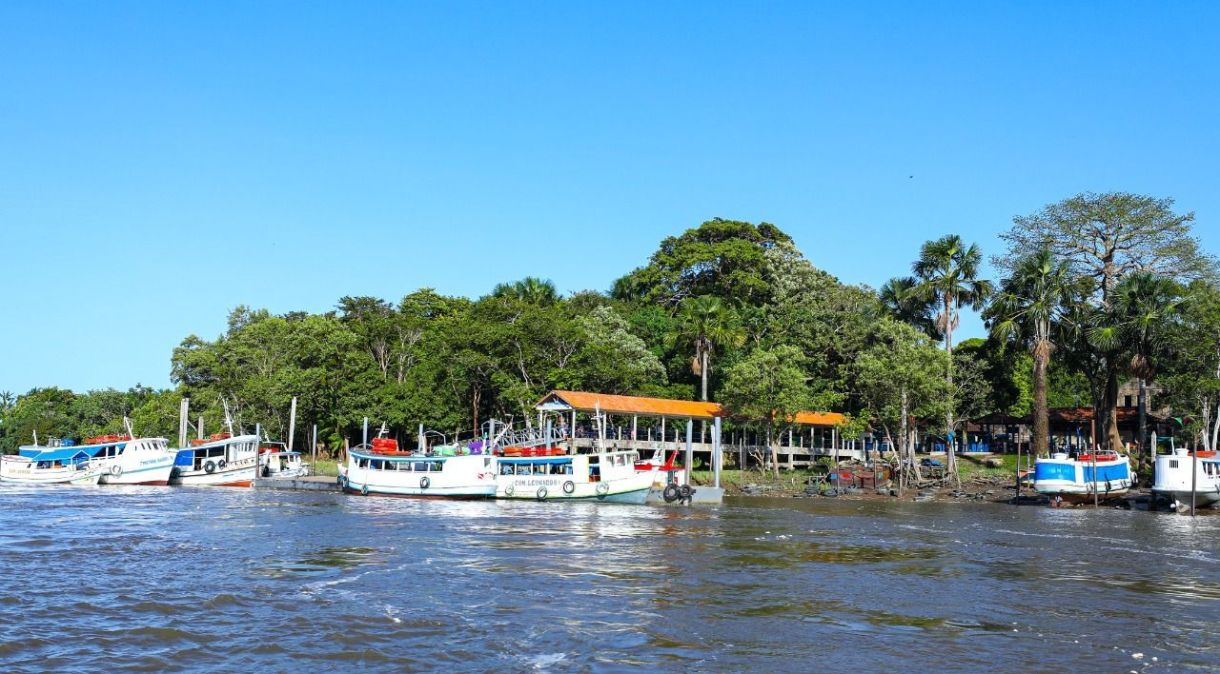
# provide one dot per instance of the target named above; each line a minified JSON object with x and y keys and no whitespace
{"x":61,"y":454}
{"x":369,"y":454}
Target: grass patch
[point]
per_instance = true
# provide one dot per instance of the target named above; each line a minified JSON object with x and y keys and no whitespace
{"x":325,"y":467}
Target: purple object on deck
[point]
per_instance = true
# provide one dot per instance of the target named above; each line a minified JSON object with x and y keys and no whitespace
{"x":475,"y":447}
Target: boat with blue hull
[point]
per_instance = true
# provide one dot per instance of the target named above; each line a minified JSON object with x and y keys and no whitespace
{"x":1103,"y":475}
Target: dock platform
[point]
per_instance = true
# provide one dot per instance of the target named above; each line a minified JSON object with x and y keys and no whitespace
{"x":310,"y":483}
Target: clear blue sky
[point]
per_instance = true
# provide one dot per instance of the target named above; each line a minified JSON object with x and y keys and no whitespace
{"x":162,"y":162}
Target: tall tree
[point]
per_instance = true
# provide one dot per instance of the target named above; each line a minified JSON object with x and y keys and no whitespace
{"x":1104,"y":238}
{"x":725,"y":258}
{"x":1191,"y":380}
{"x":902,"y":301}
{"x":530,"y":289}
{"x":1143,"y":312}
{"x":768,"y":388}
{"x":947,"y":274}
{"x":900,"y":378}
{"x":706,"y":325}
{"x":1033,"y":300}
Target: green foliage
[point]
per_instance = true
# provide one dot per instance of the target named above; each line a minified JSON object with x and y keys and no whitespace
{"x":902,"y":375}
{"x":722,"y":258}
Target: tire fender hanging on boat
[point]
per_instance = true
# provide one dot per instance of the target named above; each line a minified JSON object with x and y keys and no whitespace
{"x":424,"y":482}
{"x":364,"y":491}
{"x":602,"y":489}
{"x":541,"y":493}
{"x":116,"y":470}
{"x":510,"y":490}
{"x":221,"y":464}
{"x":569,"y":487}
{"x":209,"y":467}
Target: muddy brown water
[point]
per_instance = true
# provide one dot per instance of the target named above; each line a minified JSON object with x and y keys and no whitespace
{"x":193,"y":580}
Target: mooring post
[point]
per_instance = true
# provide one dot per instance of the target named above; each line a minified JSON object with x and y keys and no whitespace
{"x":292,"y":422}
{"x":717,"y":455}
{"x":1194,"y":472}
{"x":690,"y":449}
{"x":314,"y":443}
{"x":364,"y":435}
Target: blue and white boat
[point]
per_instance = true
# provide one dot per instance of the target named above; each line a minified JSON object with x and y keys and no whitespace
{"x":604,"y":476}
{"x":61,"y":465}
{"x":1105,"y":473}
{"x":120,"y":458}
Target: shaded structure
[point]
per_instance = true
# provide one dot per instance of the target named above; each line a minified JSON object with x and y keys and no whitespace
{"x":589,"y":420}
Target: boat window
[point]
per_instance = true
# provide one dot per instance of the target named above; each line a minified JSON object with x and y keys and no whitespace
{"x":419,"y":466}
{"x":1173,"y":463}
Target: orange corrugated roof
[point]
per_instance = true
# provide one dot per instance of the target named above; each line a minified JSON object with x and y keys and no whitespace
{"x":664,"y":407}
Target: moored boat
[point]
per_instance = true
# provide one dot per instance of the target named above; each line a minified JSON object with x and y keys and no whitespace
{"x":275,"y":460}
{"x":122,"y":459}
{"x":61,"y":465}
{"x":604,"y":476}
{"x":1183,"y":472}
{"x":1104,"y":475}
{"x":222,"y":460}
{"x":381,"y":469}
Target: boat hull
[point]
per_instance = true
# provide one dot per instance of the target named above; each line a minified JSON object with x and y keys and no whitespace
{"x":1082,"y":481}
{"x":144,"y":472}
{"x":237,"y":477}
{"x":633,"y":490}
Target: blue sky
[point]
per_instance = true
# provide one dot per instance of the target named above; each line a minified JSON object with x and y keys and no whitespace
{"x":161,"y":163}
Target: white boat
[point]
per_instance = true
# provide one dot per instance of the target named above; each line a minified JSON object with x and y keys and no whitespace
{"x":63,"y":465}
{"x":122,"y":460}
{"x":604,"y":476}
{"x":380,"y":469}
{"x":1073,"y":479}
{"x":276,"y":461}
{"x":223,"y":460}
{"x":1174,"y":477}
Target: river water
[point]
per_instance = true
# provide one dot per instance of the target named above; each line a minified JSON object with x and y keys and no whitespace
{"x":157,"y":579}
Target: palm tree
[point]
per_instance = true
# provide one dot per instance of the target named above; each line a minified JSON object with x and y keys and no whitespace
{"x":706,"y":324}
{"x":7,"y":399}
{"x":947,"y":274}
{"x":1030,"y":304}
{"x":530,"y":289}
{"x":906,"y":306}
{"x":1143,"y":310}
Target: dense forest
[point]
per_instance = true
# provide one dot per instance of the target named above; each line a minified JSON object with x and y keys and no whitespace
{"x":1094,"y":290}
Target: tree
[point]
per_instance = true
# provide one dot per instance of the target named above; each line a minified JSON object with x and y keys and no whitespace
{"x":947,"y":275}
{"x":1104,"y":238}
{"x":530,"y":289}
{"x":768,"y":388}
{"x":723,"y":258}
{"x":1032,"y":302}
{"x":1192,"y":372}
{"x":898,"y":378}
{"x":901,"y":301}
{"x":706,"y":325}
{"x":1142,"y":314}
